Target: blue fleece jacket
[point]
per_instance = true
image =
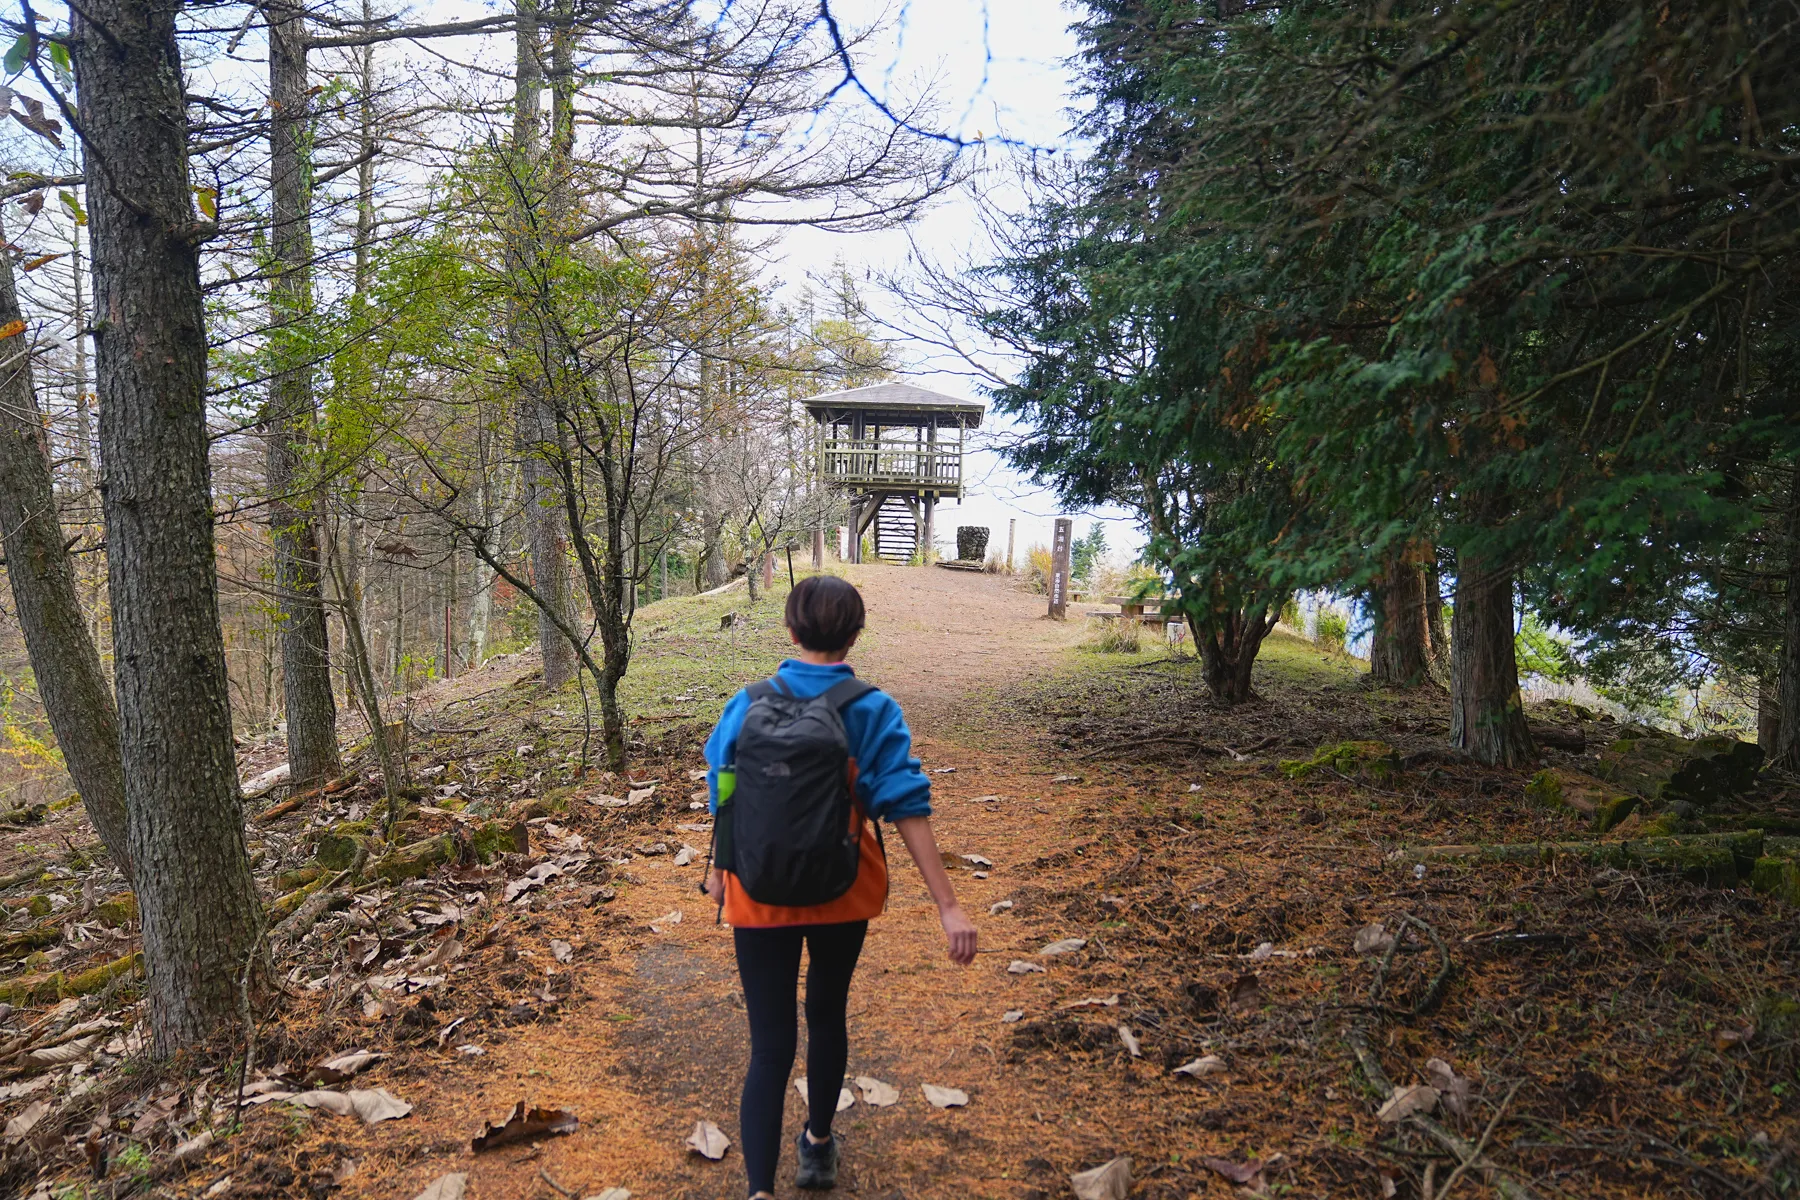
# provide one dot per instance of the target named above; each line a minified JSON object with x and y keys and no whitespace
{"x":889,"y":780}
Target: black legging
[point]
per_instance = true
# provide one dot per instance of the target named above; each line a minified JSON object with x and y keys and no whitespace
{"x":769,"y":966}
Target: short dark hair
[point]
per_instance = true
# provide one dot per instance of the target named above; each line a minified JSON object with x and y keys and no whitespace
{"x":825,"y":613}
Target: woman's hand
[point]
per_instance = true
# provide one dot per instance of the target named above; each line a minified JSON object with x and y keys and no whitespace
{"x":960,"y":931}
{"x":715,"y":885}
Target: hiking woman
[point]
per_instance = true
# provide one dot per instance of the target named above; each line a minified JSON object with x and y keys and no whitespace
{"x":771,"y":755}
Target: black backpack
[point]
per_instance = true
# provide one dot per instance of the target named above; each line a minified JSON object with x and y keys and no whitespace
{"x":786,"y":831}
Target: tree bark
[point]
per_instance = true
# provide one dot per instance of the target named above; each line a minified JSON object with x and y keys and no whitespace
{"x":1768,"y":714}
{"x":310,"y":707}
{"x":1487,"y":714}
{"x":1228,"y":650}
{"x":64,"y":663}
{"x":1787,"y":729}
{"x":1437,"y":641}
{"x":1398,"y":654}
{"x":529,"y":346}
{"x":201,"y":919}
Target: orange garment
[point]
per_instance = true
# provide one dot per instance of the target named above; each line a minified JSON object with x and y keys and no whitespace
{"x":866,"y":899}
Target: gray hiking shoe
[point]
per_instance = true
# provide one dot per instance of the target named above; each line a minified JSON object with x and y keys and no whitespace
{"x":818,"y":1163}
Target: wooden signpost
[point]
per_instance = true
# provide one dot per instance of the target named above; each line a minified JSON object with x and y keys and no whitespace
{"x":1059,"y":568}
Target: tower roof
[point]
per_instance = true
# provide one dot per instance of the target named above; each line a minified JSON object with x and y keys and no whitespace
{"x":903,"y":400}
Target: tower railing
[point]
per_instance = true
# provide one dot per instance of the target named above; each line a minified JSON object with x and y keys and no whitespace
{"x":869,"y":462}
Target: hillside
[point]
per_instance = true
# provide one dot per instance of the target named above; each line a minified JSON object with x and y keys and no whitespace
{"x":1606,"y":1032}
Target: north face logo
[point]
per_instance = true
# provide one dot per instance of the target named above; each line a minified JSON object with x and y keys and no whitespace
{"x":777,"y":770}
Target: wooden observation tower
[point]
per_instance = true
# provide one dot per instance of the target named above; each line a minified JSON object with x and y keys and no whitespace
{"x":893,"y":450}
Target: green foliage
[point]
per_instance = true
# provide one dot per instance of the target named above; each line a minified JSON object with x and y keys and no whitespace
{"x":1087,"y":551}
{"x":1338,"y":279}
{"x":1541,"y":653}
{"x":1117,"y":637}
{"x":1331,"y":630}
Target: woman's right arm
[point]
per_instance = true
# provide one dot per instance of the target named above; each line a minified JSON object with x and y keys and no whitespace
{"x":921,"y":843}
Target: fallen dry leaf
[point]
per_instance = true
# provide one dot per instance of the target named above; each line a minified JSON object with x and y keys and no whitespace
{"x":195,"y":1146}
{"x":1109,"y":1181}
{"x":22,"y":1124}
{"x":708,"y":1141}
{"x":1725,"y":1039}
{"x":667,"y":919}
{"x":846,"y":1098}
{"x":1407,"y":1101}
{"x":445,"y":1187}
{"x":561,"y":951}
{"x":876,"y":1093}
{"x":25,"y":1087}
{"x":1131,"y":1042}
{"x":1373,"y":939}
{"x":1200,"y":1068}
{"x":448,"y":950}
{"x":976,"y":860}
{"x":1019,"y":966}
{"x":523,"y":1125}
{"x":1065,"y":946}
{"x":1111,"y":1001}
{"x":344,"y":1066}
{"x":1453,"y":1089}
{"x":1012,"y":1016}
{"x":1247,"y":991}
{"x":537,"y":877}
{"x":611,"y":1194}
{"x":1236,"y":1172}
{"x":373,"y":1106}
{"x":68,"y":1052}
{"x":943,"y":1097}
{"x":639,"y":795}
{"x":998,"y":907}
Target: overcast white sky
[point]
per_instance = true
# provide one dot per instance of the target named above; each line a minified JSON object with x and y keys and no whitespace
{"x":998,"y":67}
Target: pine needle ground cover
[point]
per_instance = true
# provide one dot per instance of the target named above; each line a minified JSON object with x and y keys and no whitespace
{"x":1194,"y":955}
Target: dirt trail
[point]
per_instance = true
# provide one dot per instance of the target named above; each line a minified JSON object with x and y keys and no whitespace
{"x":660,"y":1041}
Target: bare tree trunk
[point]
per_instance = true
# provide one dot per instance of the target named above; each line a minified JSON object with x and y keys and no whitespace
{"x":1487,"y":714}
{"x":393,"y":766}
{"x":1228,"y":649}
{"x":310,"y":708}
{"x":1437,"y":641}
{"x":481,"y":603}
{"x":64,"y":662}
{"x":1787,"y":730}
{"x":1768,"y":714}
{"x":545,"y":520}
{"x":201,"y":919}
{"x":1397,"y":653}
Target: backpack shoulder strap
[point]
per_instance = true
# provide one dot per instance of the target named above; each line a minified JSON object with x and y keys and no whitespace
{"x":838,"y":695}
{"x":764,"y":689}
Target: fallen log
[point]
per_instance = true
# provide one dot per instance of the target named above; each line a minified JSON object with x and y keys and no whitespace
{"x":297,"y":799}
{"x":40,"y":989}
{"x":1556,"y":737}
{"x":1715,"y":859}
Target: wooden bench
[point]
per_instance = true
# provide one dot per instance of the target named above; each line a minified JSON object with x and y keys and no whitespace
{"x":1143,"y":618}
{"x":1137,"y":606}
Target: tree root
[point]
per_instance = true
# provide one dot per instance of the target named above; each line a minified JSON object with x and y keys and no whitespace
{"x":1467,"y":1155}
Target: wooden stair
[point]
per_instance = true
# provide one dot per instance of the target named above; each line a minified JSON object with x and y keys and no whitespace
{"x":896,"y":531}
